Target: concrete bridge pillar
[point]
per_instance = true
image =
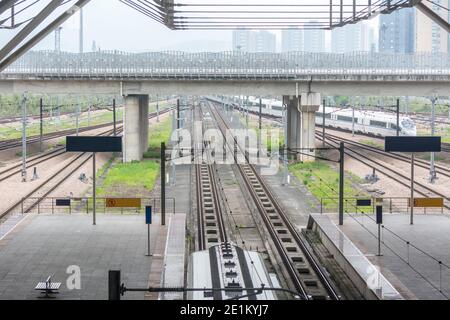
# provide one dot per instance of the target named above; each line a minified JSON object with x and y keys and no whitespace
{"x":136,"y":127}
{"x":301,"y":124}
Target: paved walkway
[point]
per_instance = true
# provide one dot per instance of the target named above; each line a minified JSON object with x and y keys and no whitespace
{"x":173,"y":276}
{"x":47,"y":245}
{"x":431,"y":234}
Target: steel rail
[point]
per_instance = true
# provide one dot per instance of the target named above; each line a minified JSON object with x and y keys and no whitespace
{"x":382,"y":168}
{"x":248,"y":172}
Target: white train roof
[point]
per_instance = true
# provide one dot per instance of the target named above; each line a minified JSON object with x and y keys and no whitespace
{"x":375,"y":115}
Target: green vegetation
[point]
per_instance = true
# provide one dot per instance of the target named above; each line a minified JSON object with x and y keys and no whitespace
{"x":158,"y":133}
{"x":372,"y":143}
{"x":323,"y":182}
{"x":135,"y":179}
{"x":266,"y":139}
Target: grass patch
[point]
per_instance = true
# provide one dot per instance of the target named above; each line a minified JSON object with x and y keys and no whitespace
{"x":158,"y":133}
{"x":323,"y":182}
{"x":266,"y":140}
{"x":124,"y":179}
{"x":372,"y":143}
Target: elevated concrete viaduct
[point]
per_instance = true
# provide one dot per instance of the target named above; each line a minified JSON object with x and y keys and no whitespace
{"x":345,"y":85}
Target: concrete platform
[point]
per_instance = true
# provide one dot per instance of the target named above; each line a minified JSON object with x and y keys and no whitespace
{"x":430,"y":233}
{"x":174,"y":261}
{"x":48,"y":244}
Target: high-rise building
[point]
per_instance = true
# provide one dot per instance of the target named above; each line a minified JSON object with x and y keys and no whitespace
{"x":350,"y":38}
{"x":430,"y":37}
{"x":241,"y":40}
{"x":292,"y":40}
{"x":314,"y":39}
{"x":264,"y":41}
{"x":396,"y":31}
{"x":251,"y":41}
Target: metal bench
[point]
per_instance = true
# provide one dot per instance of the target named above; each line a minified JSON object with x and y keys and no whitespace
{"x":48,"y":287}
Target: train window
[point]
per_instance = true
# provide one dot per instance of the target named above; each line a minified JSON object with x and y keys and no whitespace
{"x":320,"y":115}
{"x":344,"y":118}
{"x":408,"y":124}
{"x":380,"y":124}
{"x":393,"y":126}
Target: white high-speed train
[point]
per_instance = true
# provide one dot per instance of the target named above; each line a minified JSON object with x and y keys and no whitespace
{"x":368,"y":122}
{"x":228,"y":266}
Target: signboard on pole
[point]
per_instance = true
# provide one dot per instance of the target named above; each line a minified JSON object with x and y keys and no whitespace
{"x":148,"y":215}
{"x":123,"y":203}
{"x":427,"y":202}
{"x":63,"y":202}
{"x":363,"y":202}
{"x":412,"y":144}
{"x":379,"y":214}
{"x":94,"y":144}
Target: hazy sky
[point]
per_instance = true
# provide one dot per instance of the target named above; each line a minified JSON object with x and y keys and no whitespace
{"x":115,"y":26}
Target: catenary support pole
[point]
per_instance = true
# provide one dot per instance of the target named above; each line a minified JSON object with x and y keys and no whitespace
{"x":163,"y":183}
{"x":41,"y":124}
{"x":411,"y":204}
{"x":398,"y":117}
{"x":323,"y":123}
{"x":157,"y":108}
{"x":114,"y":117}
{"x":94,"y":193}
{"x":341,"y":182}
{"x":24,"y":138}
{"x":178,"y":113}
{"x":260,"y":127}
{"x":433,"y":132}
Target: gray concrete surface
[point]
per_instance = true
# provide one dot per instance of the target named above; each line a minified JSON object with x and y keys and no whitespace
{"x":47,"y":245}
{"x":431,"y":234}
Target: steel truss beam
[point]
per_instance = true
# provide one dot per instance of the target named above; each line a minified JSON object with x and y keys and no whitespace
{"x":6,"y":60}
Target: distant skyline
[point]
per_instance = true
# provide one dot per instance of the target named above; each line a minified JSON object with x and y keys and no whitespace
{"x":115,"y":26}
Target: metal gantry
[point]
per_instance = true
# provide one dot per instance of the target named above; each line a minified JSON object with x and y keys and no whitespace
{"x":268,"y":14}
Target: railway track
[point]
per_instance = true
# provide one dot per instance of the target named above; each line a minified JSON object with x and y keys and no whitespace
{"x":298,"y":263}
{"x":33,"y":161}
{"x":443,"y":170}
{"x":210,"y":216}
{"x":402,"y":179}
{"x":14,"y":143}
{"x":56,"y":179}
